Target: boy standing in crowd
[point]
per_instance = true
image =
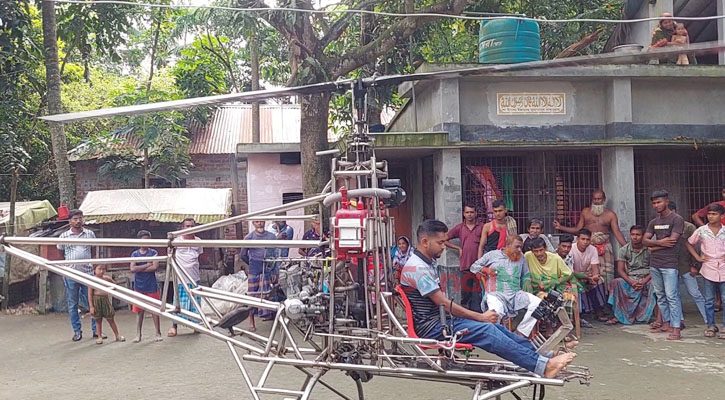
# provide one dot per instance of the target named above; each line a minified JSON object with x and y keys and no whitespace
{"x":144,"y":282}
{"x":711,"y":238}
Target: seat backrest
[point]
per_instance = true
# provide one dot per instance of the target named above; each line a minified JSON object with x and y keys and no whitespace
{"x":408,"y":311}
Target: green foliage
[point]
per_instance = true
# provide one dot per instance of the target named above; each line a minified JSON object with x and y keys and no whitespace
{"x":456,"y":41}
{"x":79,"y":95}
{"x":23,"y":142}
{"x":198,"y":72}
{"x":160,"y":135}
{"x":100,"y":28}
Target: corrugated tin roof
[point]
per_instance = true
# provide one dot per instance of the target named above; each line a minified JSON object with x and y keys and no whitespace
{"x":163,"y":205}
{"x":230,"y":125}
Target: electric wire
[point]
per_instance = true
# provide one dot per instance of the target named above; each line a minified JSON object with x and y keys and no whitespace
{"x":383,"y":13}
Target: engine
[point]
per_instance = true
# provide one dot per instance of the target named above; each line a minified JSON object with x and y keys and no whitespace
{"x":308,"y":295}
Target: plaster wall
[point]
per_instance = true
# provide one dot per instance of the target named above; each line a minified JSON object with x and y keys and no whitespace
{"x":267,"y":180}
{"x":657,"y":102}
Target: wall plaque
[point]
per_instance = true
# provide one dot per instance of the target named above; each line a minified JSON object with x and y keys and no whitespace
{"x":531,"y":103}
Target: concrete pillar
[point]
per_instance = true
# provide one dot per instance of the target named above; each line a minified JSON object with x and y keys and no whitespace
{"x":447,"y":192}
{"x":415,"y":195}
{"x":618,"y":183}
{"x":721,"y":28}
{"x":619,"y":108}
{"x":449,"y":98}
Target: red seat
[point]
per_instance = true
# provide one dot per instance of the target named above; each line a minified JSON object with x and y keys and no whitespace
{"x":411,"y":326}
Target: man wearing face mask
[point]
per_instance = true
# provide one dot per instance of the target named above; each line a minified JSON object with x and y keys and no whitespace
{"x":260,"y":272}
{"x":603,"y":223}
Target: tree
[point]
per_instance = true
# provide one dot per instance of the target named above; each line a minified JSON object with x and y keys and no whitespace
{"x":162,"y":150}
{"x":316,"y":54}
{"x":57,"y":133}
{"x":98,"y":30}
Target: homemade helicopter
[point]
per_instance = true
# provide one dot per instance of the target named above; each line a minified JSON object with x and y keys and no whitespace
{"x":335,"y":318}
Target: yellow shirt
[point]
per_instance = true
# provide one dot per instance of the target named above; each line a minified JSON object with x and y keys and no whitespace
{"x":551,"y":272}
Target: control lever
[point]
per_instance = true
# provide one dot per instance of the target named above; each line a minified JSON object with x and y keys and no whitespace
{"x":442,"y":313}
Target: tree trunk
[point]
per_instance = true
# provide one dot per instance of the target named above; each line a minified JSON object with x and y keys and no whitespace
{"x":254,"y":55}
{"x":57,"y":133}
{"x":146,"y":169}
{"x":153,"y":53}
{"x":313,"y":138}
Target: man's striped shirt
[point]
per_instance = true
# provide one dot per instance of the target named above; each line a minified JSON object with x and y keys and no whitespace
{"x":77,"y":251}
{"x":419,"y":278}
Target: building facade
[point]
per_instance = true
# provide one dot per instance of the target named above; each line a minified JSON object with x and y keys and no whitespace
{"x":542,"y":141}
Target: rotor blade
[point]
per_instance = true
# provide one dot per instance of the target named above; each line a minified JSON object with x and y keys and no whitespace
{"x":632,"y":57}
{"x":257,"y":95}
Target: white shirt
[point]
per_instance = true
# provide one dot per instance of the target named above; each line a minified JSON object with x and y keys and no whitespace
{"x":188,"y":259}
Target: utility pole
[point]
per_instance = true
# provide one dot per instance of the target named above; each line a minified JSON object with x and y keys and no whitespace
{"x":10,"y":232}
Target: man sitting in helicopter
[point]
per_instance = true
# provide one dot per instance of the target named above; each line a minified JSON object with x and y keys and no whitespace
{"x":421,"y":283}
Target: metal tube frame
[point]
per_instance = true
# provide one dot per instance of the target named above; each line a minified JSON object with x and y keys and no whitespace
{"x":274,"y":352}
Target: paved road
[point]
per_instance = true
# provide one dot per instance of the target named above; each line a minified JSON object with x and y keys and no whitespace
{"x":39,"y":361}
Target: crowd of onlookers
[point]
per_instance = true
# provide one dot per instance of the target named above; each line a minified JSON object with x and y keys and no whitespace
{"x":507,"y":272}
{"x":261,"y":274}
{"x":501,"y":270}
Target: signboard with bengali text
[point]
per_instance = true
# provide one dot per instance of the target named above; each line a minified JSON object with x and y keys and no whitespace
{"x":530,"y":103}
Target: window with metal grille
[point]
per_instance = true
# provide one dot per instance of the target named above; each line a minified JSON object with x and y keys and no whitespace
{"x":693,"y":178}
{"x":533,"y":184}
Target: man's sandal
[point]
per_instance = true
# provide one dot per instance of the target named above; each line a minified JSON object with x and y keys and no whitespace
{"x":711,"y":331}
{"x":674,"y":336}
{"x":721,"y":335}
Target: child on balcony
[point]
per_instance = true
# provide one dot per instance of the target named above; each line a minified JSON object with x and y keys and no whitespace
{"x":681,"y":38}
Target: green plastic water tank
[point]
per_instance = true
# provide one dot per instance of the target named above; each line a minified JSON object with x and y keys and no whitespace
{"x":508,"y":41}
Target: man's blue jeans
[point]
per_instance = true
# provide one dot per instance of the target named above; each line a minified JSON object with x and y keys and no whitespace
{"x":666,"y":283}
{"x":710,"y":288}
{"x":75,"y":294}
{"x":496,"y":339}
{"x":694,"y":290}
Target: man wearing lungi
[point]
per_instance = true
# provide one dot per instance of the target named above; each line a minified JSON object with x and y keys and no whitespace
{"x":603,"y":223}
{"x":260,"y":271}
{"x":632,"y":297}
{"x":587,"y":270}
{"x":187,"y":258}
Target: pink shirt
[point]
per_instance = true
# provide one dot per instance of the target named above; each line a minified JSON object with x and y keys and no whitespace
{"x":582,"y":260}
{"x":712,"y":247}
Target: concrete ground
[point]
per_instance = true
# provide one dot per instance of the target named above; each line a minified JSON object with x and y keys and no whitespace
{"x":39,"y":361}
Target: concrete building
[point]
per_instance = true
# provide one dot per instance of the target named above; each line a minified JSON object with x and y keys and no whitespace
{"x":544,"y":140}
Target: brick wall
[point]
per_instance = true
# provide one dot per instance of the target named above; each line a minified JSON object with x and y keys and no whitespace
{"x":213,"y":171}
{"x":209,"y":171}
{"x":87,"y":179}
